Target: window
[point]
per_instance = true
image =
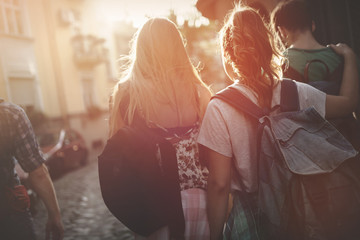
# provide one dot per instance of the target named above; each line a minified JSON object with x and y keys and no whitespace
{"x":88,"y":92}
{"x":11,"y":17}
{"x":109,"y":69}
{"x":89,"y":96}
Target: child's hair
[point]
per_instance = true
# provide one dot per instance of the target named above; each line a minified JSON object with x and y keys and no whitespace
{"x":253,"y":51}
{"x":157,"y":65}
{"x":293,"y":15}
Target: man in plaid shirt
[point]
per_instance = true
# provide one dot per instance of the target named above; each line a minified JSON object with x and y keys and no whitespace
{"x":17,"y":141}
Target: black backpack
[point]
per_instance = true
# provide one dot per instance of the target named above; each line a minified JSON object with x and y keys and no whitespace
{"x":140,"y":183}
{"x":307,"y":187}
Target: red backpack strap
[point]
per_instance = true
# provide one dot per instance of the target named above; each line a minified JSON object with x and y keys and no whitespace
{"x":307,"y":67}
{"x":336,"y":75}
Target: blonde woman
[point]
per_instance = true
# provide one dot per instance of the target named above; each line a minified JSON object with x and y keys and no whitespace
{"x":162,"y":89}
{"x":250,"y":58}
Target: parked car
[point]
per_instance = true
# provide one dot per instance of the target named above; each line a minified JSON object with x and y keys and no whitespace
{"x":63,"y":150}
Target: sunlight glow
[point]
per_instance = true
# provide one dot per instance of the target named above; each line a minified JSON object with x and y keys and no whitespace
{"x":138,"y":11}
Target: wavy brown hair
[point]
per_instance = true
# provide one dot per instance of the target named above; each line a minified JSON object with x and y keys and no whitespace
{"x":253,"y":50}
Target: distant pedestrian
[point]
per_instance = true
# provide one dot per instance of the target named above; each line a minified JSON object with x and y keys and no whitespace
{"x":251,"y":59}
{"x":163,"y":90}
{"x":17,"y":141}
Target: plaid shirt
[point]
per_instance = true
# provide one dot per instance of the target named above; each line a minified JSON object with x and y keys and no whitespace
{"x":17,"y":141}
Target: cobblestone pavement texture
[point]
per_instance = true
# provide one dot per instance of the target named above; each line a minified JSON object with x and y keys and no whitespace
{"x":84,"y":213}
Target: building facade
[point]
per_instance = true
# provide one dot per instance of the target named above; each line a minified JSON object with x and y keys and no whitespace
{"x":58,"y":57}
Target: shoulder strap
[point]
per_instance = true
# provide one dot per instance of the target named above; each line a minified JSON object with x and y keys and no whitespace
{"x":336,"y":75}
{"x":307,"y":67}
{"x":240,"y":102}
{"x":290,"y":72}
{"x":289,"y":99}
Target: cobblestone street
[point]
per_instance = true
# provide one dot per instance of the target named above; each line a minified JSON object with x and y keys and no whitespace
{"x":84,"y":213}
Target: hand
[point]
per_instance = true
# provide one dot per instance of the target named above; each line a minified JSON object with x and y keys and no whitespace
{"x":54,"y":229}
{"x":342,"y":49}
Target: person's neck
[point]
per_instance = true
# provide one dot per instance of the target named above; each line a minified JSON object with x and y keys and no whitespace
{"x":306,"y":40}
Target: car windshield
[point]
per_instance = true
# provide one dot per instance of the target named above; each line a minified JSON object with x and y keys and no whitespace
{"x":48,"y":139}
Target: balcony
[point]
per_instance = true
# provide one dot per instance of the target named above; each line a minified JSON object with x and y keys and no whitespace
{"x":89,"y":51}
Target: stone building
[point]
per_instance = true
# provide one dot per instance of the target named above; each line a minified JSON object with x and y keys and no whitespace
{"x":58,"y":57}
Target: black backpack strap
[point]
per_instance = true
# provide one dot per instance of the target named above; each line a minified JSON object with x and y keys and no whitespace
{"x":289,"y":72}
{"x":240,"y":102}
{"x":289,"y":99}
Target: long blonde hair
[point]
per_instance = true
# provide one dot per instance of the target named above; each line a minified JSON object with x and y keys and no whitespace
{"x":253,"y":50}
{"x":157,"y":64}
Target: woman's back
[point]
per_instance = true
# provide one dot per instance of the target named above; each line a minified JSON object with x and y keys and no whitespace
{"x":185,"y":113}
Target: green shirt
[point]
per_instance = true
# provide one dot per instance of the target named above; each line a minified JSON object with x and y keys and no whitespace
{"x":317,"y":71}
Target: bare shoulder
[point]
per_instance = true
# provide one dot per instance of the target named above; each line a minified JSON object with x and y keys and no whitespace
{"x":204,"y":92}
{"x":204,"y":98}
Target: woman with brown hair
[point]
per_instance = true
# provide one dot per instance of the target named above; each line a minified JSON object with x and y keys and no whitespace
{"x":252,"y":59}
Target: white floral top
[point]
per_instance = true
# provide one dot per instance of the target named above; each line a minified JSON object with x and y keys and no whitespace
{"x":184,"y":139}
